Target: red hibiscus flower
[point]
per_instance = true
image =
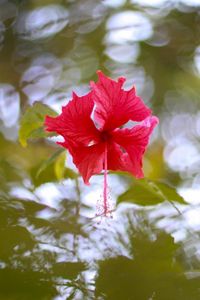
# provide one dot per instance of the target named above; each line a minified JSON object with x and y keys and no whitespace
{"x":90,"y":126}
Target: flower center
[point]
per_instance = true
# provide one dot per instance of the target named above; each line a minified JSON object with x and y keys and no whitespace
{"x":105,"y":136}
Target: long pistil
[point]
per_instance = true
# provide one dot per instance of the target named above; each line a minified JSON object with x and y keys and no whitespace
{"x":105,"y":184}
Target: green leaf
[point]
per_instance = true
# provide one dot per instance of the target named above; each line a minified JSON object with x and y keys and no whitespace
{"x":53,"y":169}
{"x":32,"y":122}
{"x":49,"y":161}
{"x":59,"y":166}
{"x":146,"y":192}
{"x":69,"y":173}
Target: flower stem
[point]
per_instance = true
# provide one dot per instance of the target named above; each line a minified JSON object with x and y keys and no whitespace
{"x":105,"y":185}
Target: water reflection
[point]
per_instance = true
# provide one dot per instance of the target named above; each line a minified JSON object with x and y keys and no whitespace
{"x":86,"y":16}
{"x":42,"y":22}
{"x":197,"y":59}
{"x":112,"y":3}
{"x":85,"y":58}
{"x":183,"y":157}
{"x":128,"y":26}
{"x":8,"y":12}
{"x":123,"y":53}
{"x":191,"y":2}
{"x":159,"y":3}
{"x":2,"y":30}
{"x":9,"y":97}
{"x":153,"y":3}
{"x":37,"y":82}
{"x":180,"y":131}
{"x":41,"y":77}
{"x":135,"y":76}
{"x":160,"y":37}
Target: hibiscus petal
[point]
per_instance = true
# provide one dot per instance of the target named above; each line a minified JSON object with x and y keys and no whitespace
{"x":114,"y":106}
{"x":117,"y":159}
{"x":88,"y":160}
{"x":74,"y":123}
{"x":134,"y":141}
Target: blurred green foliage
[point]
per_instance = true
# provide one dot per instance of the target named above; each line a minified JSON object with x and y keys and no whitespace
{"x":148,"y":192}
{"x":32,"y":122}
{"x":154,"y":271}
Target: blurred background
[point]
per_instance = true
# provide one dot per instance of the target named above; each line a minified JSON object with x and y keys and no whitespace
{"x":52,"y":246}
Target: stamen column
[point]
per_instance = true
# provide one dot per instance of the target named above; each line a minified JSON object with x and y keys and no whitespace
{"x":105,"y":184}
